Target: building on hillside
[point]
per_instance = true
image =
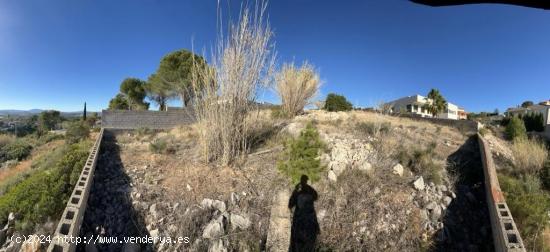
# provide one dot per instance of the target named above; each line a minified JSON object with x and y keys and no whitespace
{"x":415,"y":105}
{"x":542,"y":108}
{"x":462,"y":114}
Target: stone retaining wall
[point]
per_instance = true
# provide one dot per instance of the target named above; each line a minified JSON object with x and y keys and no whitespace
{"x":69,"y":225}
{"x":506,"y":236}
{"x":126,"y":119}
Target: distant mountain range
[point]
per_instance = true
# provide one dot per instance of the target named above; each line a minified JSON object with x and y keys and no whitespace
{"x":16,"y":112}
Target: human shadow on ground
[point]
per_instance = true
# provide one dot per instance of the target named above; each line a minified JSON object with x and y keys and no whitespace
{"x":466,"y":223}
{"x":305,"y":226}
{"x":110,"y":213}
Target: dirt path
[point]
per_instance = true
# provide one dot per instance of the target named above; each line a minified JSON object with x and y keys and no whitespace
{"x":25,"y":165}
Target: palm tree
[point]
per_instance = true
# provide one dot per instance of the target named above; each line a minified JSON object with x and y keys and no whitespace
{"x":435,"y":103}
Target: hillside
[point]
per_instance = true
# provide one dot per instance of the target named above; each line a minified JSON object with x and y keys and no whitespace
{"x":387,"y":183}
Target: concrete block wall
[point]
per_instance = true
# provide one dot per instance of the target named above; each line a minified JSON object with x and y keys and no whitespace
{"x":466,"y":126}
{"x":506,"y":236}
{"x":69,"y":224}
{"x":127,"y":119}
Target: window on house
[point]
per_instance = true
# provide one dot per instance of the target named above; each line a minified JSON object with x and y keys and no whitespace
{"x":415,"y":107}
{"x":409,"y":108}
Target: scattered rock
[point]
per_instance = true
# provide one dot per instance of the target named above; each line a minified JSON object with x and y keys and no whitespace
{"x":447,"y":200}
{"x":213,"y":230}
{"x":365,"y":166}
{"x":238,"y":221}
{"x":419,"y":184}
{"x":32,"y":244}
{"x":217,"y":246}
{"x":398,"y":170}
{"x":332,"y":176}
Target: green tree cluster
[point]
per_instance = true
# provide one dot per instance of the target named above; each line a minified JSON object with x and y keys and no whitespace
{"x":533,"y":122}
{"x":131,"y":96}
{"x":47,"y":120}
{"x":171,"y":79}
{"x":335,"y":102}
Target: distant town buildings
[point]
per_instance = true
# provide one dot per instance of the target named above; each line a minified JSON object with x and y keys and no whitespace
{"x":415,"y":105}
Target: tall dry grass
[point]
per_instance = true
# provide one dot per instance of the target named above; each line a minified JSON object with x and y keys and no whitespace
{"x":226,"y":90}
{"x":296,"y":86}
{"x":529,"y":154}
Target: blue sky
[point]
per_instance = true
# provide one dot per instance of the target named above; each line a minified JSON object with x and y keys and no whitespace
{"x":57,"y":54}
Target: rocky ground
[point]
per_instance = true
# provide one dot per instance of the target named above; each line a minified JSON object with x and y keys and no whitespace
{"x":368,"y":200}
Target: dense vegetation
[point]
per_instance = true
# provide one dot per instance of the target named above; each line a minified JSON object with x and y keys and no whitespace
{"x":301,"y":156}
{"x":336,"y":102}
{"x":44,"y":193}
{"x":516,"y":129}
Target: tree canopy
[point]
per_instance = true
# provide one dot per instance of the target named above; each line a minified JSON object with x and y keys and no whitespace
{"x":527,"y":104}
{"x":118,"y":103}
{"x":134,"y":91}
{"x":437,"y":105}
{"x":336,"y":102}
{"x":175,"y":73}
{"x":158,"y":91}
{"x":47,"y":120}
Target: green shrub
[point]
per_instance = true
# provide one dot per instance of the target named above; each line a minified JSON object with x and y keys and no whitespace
{"x":16,"y":150}
{"x":77,"y":131}
{"x":421,"y":161}
{"x":336,"y":102}
{"x":277,"y":112}
{"x":373,"y":128}
{"x":515,"y":128}
{"x":44,"y":194}
{"x":301,"y":156}
{"x":545,"y":175}
{"x":483,"y":131}
{"x":143,"y":131}
{"x":529,"y":205}
{"x":163,"y":145}
{"x":6,"y":139}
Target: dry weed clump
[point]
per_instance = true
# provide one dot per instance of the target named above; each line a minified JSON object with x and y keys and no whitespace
{"x":241,"y":65}
{"x":296,"y":87}
{"x":529,"y":154}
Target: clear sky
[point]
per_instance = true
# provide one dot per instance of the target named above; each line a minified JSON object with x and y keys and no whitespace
{"x":56,"y":54}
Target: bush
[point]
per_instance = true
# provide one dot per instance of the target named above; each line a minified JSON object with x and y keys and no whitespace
{"x":44,"y":193}
{"x":336,"y":102}
{"x":373,"y":128}
{"x":421,"y":161}
{"x":301,"y":156}
{"x":163,"y":145}
{"x":143,"y":131}
{"x":515,"y":129}
{"x":77,"y":131}
{"x":6,"y":139}
{"x":529,"y":206}
{"x":483,"y":131}
{"x":534,"y":122}
{"x":529,"y":155}
{"x":17,"y":150}
{"x":277,"y":112}
{"x":296,"y":87}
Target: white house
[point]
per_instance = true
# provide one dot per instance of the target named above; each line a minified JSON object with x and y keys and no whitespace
{"x":415,"y":105}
